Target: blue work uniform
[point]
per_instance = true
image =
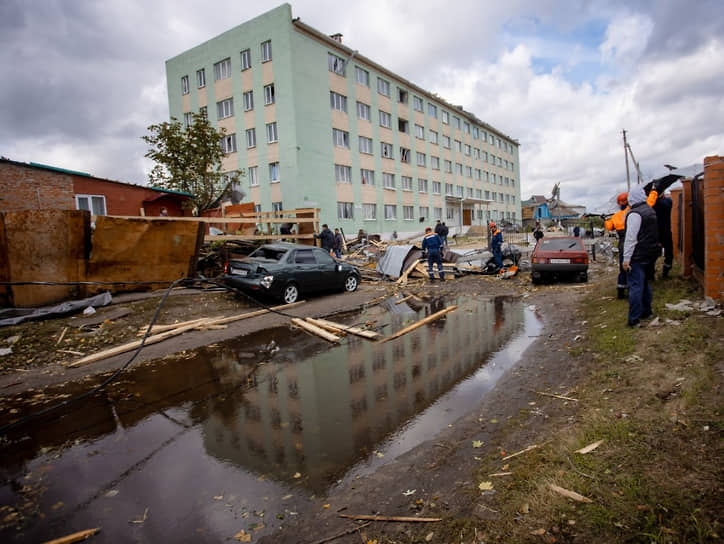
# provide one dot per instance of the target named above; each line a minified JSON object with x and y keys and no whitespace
{"x":432,"y":244}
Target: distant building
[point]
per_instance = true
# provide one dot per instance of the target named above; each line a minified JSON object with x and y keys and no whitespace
{"x":33,"y":186}
{"x":546,"y":210}
{"x":314,"y":123}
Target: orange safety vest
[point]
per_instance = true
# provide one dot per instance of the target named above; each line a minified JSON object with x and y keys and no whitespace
{"x":617,"y":222}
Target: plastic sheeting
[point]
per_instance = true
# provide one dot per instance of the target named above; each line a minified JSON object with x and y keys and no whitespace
{"x":13,"y":316}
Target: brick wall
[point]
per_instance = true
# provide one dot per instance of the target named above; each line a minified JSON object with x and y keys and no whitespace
{"x":714,"y":217}
{"x":124,"y":199}
{"x":29,"y":188}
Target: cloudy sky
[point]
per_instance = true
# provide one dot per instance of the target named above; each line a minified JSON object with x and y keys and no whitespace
{"x":82,"y":79}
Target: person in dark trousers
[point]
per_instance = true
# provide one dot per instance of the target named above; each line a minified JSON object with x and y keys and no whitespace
{"x":576,"y":231}
{"x":496,"y":244}
{"x":538,"y":232}
{"x":617,"y":223}
{"x":640,"y":249}
{"x":663,"y":217}
{"x":338,"y":243}
{"x":438,"y":229}
{"x":326,"y":238}
{"x":443,"y":234}
{"x":432,"y":247}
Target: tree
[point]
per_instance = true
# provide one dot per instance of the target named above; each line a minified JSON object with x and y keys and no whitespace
{"x":189,"y":160}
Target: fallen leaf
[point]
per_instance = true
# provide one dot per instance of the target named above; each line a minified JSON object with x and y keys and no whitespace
{"x":429,"y":536}
{"x":493,"y":421}
{"x":243,"y":536}
{"x":326,"y":506}
{"x":589,"y":448}
{"x":485,"y":486}
{"x":477,"y":443}
{"x":380,"y":454}
{"x":218,"y":497}
{"x":538,"y":532}
{"x":409,"y":492}
{"x":57,"y":505}
{"x":297,"y":475}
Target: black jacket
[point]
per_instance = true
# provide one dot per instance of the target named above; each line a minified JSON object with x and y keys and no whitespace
{"x":647,"y":245}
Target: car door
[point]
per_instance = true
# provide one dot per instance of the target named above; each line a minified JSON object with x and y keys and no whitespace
{"x":305,"y":270}
{"x":328,"y":276}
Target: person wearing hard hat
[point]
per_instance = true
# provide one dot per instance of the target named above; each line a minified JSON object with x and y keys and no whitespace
{"x":617,"y":223}
{"x":496,"y":244}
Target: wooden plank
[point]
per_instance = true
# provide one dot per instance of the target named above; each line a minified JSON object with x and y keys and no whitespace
{"x":517,"y":453}
{"x":403,"y":279}
{"x":405,"y":299}
{"x":315,"y":330}
{"x":75,"y":537}
{"x":406,"y":519}
{"x":570,"y":494}
{"x":131,"y":346}
{"x":364,"y":333}
{"x":428,"y":319}
{"x":325,"y":326}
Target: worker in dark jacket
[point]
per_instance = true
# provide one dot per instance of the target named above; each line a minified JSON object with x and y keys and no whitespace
{"x":432,"y":248}
{"x":326,"y":238}
{"x":496,"y":244}
{"x":640,"y":249}
{"x":663,"y":216}
{"x":338,"y":244}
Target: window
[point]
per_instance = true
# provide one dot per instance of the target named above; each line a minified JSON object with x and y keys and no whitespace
{"x":458,"y":169}
{"x":487,"y":195}
{"x":368,"y":176}
{"x":246,"y":59}
{"x":390,"y":212}
{"x":417,"y":103}
{"x":479,"y":194}
{"x":188,"y":119}
{"x":436,"y":187}
{"x":253,"y":176}
{"x":345,"y":210}
{"x":420,"y":132}
{"x":456,"y":122}
{"x":402,"y":96}
{"x":343,"y":173}
{"x":421,"y":185}
{"x":251,"y":137}
{"x":421,"y":159}
{"x":383,"y":86}
{"x":365,"y":145}
{"x":225,"y":108}
{"x":185,"y":85}
{"x":404,"y":154}
{"x":478,"y":173}
{"x":448,"y":189}
{"x":95,"y":204}
{"x":424,"y":212}
{"x":433,"y":137}
{"x":435,"y":163}
{"x":469,"y":171}
{"x":388,"y":180}
{"x":228,"y":143}
{"x":274,"y":172}
{"x":201,"y":78}
{"x":248,"y":100}
{"x":476,"y":153}
{"x":385,"y":119}
{"x":432,"y":110}
{"x":386,"y":150}
{"x":403,"y":126}
{"x":362,"y":76}
{"x":222,"y":69}
{"x":448,"y":166}
{"x":466,"y":127}
{"x":408,"y":213}
{"x":466,"y":149}
{"x":266,"y":51}
{"x":446,"y":117}
{"x":446,"y":141}
{"x":406,"y":182}
{"x":458,"y":146}
{"x":370,"y":211}
{"x":437,"y":212}
{"x":476,"y":133}
{"x":450,"y":213}
{"x":271,"y":133}
{"x":268,"y":94}
{"x":364,"y":111}
{"x":338,"y":101}
{"x":340,"y":138}
{"x":336,"y":64}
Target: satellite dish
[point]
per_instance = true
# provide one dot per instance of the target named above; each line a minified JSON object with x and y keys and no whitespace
{"x":237,"y":196}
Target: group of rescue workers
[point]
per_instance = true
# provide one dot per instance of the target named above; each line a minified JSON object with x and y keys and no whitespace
{"x":643,"y":225}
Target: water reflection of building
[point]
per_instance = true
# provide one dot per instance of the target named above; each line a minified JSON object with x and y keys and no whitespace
{"x":320,"y":415}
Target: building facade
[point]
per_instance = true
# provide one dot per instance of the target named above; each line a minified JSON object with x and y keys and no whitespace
{"x":313,"y":123}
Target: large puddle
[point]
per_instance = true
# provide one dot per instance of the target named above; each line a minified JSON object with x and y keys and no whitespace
{"x":235,"y":436}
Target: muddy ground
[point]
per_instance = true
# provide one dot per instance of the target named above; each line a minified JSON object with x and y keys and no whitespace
{"x":438,"y":477}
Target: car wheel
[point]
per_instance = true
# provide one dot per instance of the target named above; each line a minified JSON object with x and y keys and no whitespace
{"x":351,"y":283}
{"x":583,"y":277}
{"x":291,"y":293}
{"x":536,"y":280}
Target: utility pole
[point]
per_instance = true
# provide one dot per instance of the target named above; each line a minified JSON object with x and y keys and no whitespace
{"x":625,"y":152}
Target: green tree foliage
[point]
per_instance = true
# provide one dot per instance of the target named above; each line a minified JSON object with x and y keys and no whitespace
{"x":189,"y":160}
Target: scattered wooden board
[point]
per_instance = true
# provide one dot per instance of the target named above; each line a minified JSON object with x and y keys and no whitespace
{"x":75,"y":537}
{"x":364,"y":333}
{"x":405,"y":299}
{"x":406,"y":519}
{"x":315,"y":330}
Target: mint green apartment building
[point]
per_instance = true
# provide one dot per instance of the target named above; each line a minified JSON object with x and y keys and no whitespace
{"x":314,"y":123}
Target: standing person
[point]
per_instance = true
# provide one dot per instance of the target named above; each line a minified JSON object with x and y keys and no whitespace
{"x":285,"y":229}
{"x":443,"y":234}
{"x":431,"y":246}
{"x":640,"y":249}
{"x":338,"y":244}
{"x":537,"y":232}
{"x":326,"y":238}
{"x":438,"y":229}
{"x":163,"y":212}
{"x":576,"y":231}
{"x":663,"y":217}
{"x":496,"y":244}
{"x":617,"y":223}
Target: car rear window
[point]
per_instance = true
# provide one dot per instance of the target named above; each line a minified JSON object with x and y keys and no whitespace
{"x":559,"y":244}
{"x":268,"y":253}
